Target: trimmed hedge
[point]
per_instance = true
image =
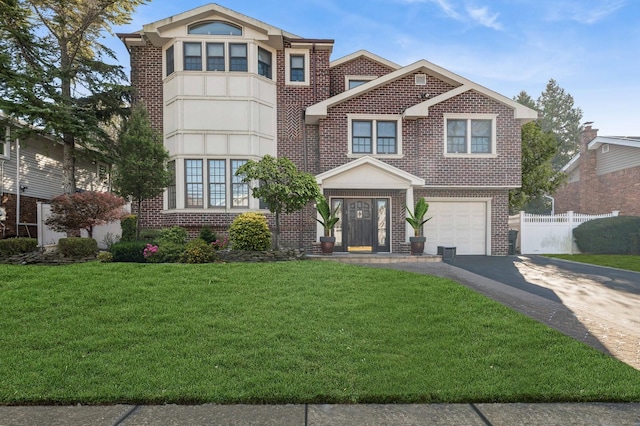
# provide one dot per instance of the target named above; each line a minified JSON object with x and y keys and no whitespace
{"x":12,"y":246}
{"x":129,"y":225}
{"x":77,"y":247}
{"x":128,"y":251}
{"x":612,"y":235}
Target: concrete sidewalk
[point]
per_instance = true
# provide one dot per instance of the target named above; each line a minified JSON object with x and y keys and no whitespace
{"x":302,"y":415}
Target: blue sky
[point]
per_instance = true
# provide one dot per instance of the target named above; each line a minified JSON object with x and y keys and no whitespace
{"x":590,"y":47}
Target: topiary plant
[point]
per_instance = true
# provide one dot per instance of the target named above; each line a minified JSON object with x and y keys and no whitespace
{"x":249,"y":231}
{"x":129,"y":224}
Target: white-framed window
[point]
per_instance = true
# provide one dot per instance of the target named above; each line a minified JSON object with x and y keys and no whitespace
{"x":5,"y":147}
{"x":171,"y":188}
{"x":377,"y":135}
{"x":192,"y":56}
{"x":353,"y":81}
{"x":470,"y":135}
{"x":170,"y":60}
{"x":215,"y":28}
{"x":297,"y":67}
{"x":210,"y":183}
{"x":264,"y":62}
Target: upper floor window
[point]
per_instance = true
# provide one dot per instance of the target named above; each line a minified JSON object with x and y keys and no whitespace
{"x":193,"y":57}
{"x":170,"y":61}
{"x":215,"y":28}
{"x":378,"y":135}
{"x":472,"y":134}
{"x":355,"y":83}
{"x":297,"y":68}
{"x":237,"y":57}
{"x":264,"y":62}
{"x":215,"y":57}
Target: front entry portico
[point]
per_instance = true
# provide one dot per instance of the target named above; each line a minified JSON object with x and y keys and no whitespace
{"x":366,"y":220}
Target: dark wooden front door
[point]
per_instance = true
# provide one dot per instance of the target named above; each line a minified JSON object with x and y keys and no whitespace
{"x":364,"y":225}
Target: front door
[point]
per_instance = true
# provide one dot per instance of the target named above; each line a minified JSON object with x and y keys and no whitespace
{"x":364,"y":225}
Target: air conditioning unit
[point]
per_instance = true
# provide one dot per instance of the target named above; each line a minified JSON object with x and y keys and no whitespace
{"x":3,"y":214}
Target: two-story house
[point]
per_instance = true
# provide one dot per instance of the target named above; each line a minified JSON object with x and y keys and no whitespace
{"x":224,"y":88}
{"x":31,"y":172}
{"x":603,"y":176}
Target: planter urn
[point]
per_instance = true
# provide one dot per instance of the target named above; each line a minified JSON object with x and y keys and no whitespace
{"x":327,"y":244}
{"x":417,"y":245}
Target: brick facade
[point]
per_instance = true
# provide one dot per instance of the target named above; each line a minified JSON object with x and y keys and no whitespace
{"x":323,"y":146}
{"x":598,"y":194}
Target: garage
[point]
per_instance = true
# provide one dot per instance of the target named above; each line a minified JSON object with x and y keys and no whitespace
{"x":458,"y":223}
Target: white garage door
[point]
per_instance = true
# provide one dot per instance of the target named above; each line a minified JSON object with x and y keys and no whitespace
{"x":460,"y":224}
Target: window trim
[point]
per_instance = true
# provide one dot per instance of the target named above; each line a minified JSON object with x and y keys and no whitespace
{"x":171,"y":62}
{"x":201,"y":182}
{"x":224,"y":56}
{"x":349,"y":78}
{"x":288,"y":53}
{"x":269,"y":75}
{"x":184,"y":56}
{"x":214,"y":21}
{"x":374,"y":119}
{"x":210,"y":183}
{"x":469,"y":118}
{"x":172,"y":194}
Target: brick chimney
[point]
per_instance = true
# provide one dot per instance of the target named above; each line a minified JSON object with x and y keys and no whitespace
{"x":587,"y":135}
{"x":588,"y":189}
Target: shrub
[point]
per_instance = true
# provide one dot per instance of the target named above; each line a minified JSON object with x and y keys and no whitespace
{"x":167,"y":253}
{"x":84,"y":210}
{"x":77,"y":247}
{"x":612,"y":235}
{"x":249,"y":231}
{"x":128,"y":251}
{"x":13,"y":246}
{"x":129,"y":224}
{"x":207,"y":234}
{"x":175,"y":234}
{"x":198,"y":251}
{"x":105,"y":257}
{"x":149,"y":234}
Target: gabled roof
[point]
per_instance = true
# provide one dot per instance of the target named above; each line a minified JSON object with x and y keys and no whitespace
{"x":368,"y":172}
{"x":364,"y":54}
{"x":153,"y":32}
{"x":597,"y":142}
{"x":461,"y":85}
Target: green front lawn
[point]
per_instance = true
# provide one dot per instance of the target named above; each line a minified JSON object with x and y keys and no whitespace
{"x":290,"y":332}
{"x":628,"y":262}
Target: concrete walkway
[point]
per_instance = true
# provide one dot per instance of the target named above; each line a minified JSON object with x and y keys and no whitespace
{"x":538,"y":302}
{"x":320,"y":415}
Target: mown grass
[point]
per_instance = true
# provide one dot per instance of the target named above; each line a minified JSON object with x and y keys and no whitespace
{"x":297,"y":332}
{"x":628,"y":262}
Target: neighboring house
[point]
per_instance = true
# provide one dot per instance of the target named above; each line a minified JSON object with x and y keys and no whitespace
{"x":224,"y":88}
{"x":603,"y":177}
{"x":31,"y":171}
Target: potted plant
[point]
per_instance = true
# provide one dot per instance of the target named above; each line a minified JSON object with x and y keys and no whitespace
{"x":416,"y":220}
{"x":328,"y":221}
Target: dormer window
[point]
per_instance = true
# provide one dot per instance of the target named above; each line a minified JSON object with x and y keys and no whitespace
{"x":215,"y":28}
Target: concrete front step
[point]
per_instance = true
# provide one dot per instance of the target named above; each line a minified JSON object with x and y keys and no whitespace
{"x":377,"y":258}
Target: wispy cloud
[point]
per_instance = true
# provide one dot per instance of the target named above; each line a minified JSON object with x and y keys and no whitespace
{"x":584,"y":12}
{"x":482,"y":16}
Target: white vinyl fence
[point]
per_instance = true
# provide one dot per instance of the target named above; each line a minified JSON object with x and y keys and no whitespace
{"x":102,"y":233}
{"x":549,"y":234}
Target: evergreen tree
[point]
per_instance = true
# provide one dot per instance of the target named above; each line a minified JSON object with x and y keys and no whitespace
{"x":141,"y":171}
{"x":559,"y":116}
{"x":53,"y":73}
